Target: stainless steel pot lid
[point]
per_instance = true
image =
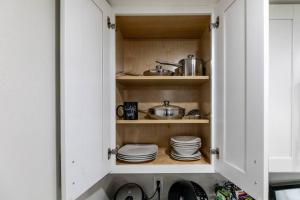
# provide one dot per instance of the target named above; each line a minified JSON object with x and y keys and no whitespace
{"x":189,"y":58}
{"x":166,"y":106}
{"x":158,"y":71}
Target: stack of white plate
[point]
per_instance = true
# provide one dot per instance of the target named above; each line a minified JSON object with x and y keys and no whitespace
{"x":185,"y":147}
{"x":136,"y":153}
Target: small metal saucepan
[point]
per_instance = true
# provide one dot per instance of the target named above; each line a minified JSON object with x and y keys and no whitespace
{"x":190,"y":66}
{"x":176,"y":68}
{"x":165,"y":111}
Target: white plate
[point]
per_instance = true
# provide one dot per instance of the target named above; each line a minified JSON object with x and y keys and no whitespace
{"x":185,"y":152}
{"x":136,"y":157}
{"x":178,"y":158}
{"x":185,"y":159}
{"x":141,"y":159}
{"x":136,"y":161}
{"x":138,"y":149}
{"x":186,"y":148}
{"x":198,"y":157}
{"x":197,"y":154}
{"x":184,"y":145}
{"x":185,"y":139}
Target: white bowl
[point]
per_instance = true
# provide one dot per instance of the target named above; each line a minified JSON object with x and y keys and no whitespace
{"x":185,"y":151}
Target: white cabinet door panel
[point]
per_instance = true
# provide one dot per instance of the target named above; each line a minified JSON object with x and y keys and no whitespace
{"x":241,"y":63}
{"x":84,"y":95}
{"x":280,"y":96}
{"x":284,"y":106}
{"x":235,"y":86}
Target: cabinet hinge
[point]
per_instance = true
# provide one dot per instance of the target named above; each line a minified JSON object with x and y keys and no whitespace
{"x":112,"y":152}
{"x":215,"y":152}
{"x":110,"y":25}
{"x":216,"y":24}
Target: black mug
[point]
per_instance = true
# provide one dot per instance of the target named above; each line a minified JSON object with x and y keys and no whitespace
{"x":130,"y":111}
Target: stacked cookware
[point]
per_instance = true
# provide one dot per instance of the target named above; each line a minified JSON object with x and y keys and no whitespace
{"x":185,"y":148}
{"x":136,"y":153}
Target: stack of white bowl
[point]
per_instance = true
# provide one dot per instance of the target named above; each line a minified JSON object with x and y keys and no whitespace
{"x":185,"y":148}
{"x":136,"y":153}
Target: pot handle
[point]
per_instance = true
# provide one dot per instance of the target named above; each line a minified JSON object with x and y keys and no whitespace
{"x":166,"y":103}
{"x":168,"y":63}
{"x":143,"y":111}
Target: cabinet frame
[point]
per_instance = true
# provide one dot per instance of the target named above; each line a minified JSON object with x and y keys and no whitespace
{"x":253,"y":178}
{"x":172,"y":168}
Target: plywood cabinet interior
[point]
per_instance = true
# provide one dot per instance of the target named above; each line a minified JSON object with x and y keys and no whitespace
{"x":140,"y":41}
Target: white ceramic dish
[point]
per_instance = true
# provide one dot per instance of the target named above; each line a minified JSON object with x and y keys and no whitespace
{"x":185,"y":152}
{"x":136,"y":157}
{"x":137,"y":160}
{"x":185,"y":159}
{"x":138,"y":149}
{"x":150,"y":158}
{"x":197,"y":154}
{"x":185,"y":146}
{"x":185,"y":139}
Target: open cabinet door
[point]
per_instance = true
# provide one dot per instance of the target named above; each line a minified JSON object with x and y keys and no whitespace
{"x":85,"y":94}
{"x":241,"y":63}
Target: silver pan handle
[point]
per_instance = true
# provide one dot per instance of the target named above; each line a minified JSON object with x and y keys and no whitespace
{"x":168,"y":63}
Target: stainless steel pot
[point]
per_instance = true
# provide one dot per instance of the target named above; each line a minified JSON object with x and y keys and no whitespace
{"x":176,"y":68}
{"x":165,"y":111}
{"x":192,"y":66}
{"x":189,"y":66}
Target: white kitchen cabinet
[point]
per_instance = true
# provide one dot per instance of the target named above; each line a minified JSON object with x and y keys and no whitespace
{"x":232,"y":91}
{"x":284,"y":97}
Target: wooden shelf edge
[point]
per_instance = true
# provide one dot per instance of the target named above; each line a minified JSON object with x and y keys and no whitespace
{"x":161,"y":80}
{"x":165,"y":78}
{"x":177,"y":121}
{"x":163,"y":158}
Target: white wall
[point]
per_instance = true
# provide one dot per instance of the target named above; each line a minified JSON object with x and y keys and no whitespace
{"x":27,"y":100}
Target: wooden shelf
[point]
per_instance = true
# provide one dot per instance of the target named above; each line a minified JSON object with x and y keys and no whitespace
{"x":171,"y":121}
{"x":161,"y":80}
{"x":163,"y":158}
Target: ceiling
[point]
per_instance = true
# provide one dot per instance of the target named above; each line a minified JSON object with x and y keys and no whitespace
{"x":161,"y":2}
